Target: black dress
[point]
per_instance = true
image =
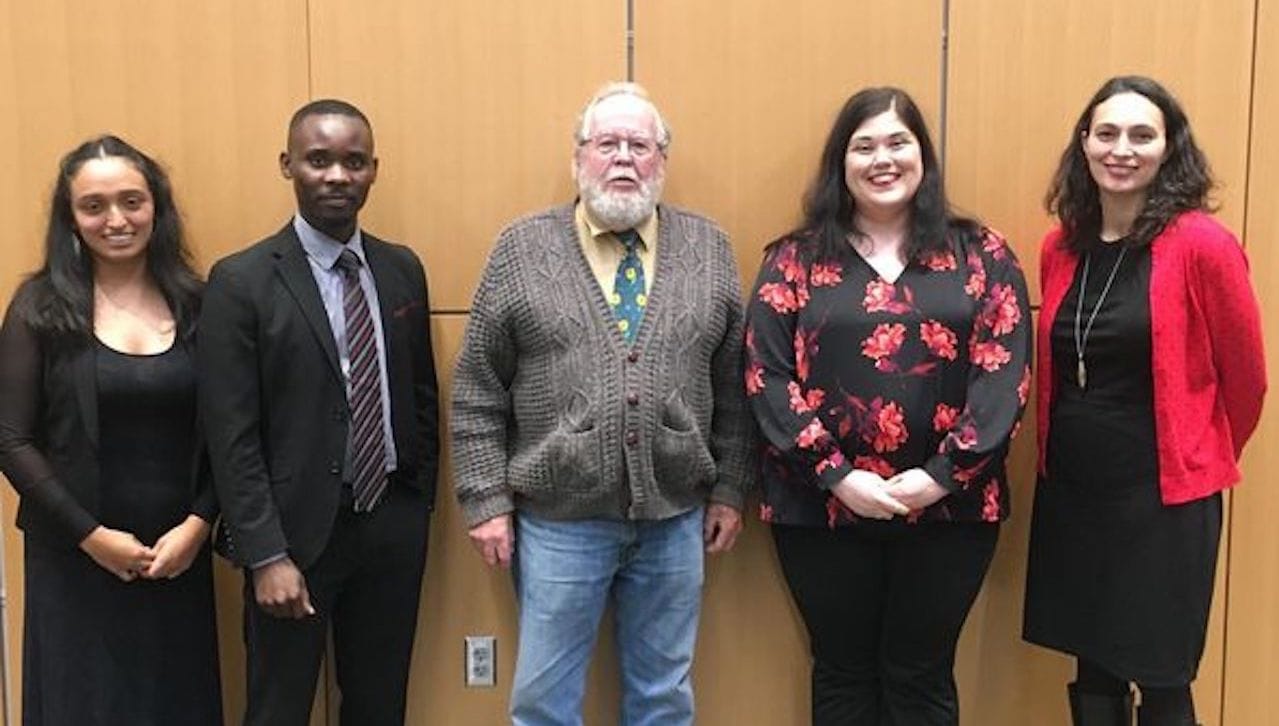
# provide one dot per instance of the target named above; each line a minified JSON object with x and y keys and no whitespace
{"x":102,"y":651}
{"x":1116,"y":577}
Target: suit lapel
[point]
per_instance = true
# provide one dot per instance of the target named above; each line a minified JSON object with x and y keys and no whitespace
{"x":385,"y":273}
{"x":382,"y":268}
{"x":295,"y":271}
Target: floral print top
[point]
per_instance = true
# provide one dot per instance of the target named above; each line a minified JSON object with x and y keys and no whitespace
{"x":845,"y":370}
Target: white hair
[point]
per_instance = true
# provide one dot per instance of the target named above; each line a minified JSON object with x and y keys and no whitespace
{"x":621,"y":88}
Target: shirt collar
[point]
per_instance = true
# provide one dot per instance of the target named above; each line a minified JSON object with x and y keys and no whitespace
{"x":647,"y":229}
{"x":323,"y":248}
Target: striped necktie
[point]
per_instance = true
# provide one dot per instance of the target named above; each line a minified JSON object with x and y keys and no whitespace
{"x":628,"y":299}
{"x":364,"y":390}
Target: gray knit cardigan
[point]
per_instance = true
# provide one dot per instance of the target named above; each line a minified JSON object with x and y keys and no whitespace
{"x":555,"y":414}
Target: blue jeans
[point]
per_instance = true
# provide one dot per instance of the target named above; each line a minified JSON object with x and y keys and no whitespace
{"x":565,"y":572}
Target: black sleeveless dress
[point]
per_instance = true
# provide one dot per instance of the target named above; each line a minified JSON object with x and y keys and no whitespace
{"x":100,"y":651}
{"x":1115,"y":576}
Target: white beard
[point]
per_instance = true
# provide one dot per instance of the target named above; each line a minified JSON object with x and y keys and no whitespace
{"x":617,"y":211}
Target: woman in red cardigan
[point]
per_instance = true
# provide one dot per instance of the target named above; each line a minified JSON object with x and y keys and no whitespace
{"x":1150,"y":381}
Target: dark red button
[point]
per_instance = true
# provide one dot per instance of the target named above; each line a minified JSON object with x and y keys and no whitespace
{"x":632,"y":399}
{"x":632,"y":438}
{"x":633,"y":356}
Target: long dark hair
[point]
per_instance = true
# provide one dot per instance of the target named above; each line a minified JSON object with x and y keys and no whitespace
{"x":1182,"y":183}
{"x":58,"y":299}
{"x":829,"y":208}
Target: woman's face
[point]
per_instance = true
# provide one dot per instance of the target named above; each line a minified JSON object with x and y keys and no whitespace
{"x":113,"y":209}
{"x":1125,"y":144}
{"x":883,"y":166}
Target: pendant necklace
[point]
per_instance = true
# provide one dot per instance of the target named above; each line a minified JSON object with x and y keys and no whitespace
{"x":1081,"y":341}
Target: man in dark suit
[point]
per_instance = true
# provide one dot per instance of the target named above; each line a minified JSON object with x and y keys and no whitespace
{"x":318,"y":393}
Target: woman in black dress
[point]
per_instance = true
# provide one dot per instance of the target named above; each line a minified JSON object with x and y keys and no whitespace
{"x":1150,"y":381}
{"x":887,"y":364}
{"x":97,"y":434}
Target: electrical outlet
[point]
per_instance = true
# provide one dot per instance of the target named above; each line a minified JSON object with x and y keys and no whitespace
{"x":481,"y":660}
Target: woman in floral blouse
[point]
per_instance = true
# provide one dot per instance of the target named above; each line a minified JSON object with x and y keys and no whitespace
{"x":1151,"y":380}
{"x":888,"y":351}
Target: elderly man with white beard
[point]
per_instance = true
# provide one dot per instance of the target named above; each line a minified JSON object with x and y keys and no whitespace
{"x":599,"y":432}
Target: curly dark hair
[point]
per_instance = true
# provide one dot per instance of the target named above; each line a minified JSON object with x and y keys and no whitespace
{"x":58,"y":298}
{"x":1182,"y":183}
{"x":829,"y":208}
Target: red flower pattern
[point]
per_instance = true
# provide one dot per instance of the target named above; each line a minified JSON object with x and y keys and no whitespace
{"x":834,"y":461}
{"x":944,"y":417}
{"x":939,"y":261}
{"x":994,"y":245}
{"x":976,"y":285}
{"x":801,"y":402}
{"x":754,"y":378}
{"x":812,"y":435}
{"x":990,"y":502}
{"x":965,"y":439}
{"x":879,"y":296}
{"x":883,"y":343}
{"x":787,"y":262}
{"x":890,"y":428}
{"x":941,"y":340}
{"x":1023,"y":388}
{"x":805,"y":348}
{"x":827,"y":275}
{"x":990,"y":355}
{"x":837,"y":513}
{"x":874,"y":464}
{"x":779,"y":297}
{"x":1002,"y":313}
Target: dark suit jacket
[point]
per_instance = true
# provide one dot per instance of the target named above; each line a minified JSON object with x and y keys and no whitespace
{"x":49,"y":431}
{"x":273,"y":399}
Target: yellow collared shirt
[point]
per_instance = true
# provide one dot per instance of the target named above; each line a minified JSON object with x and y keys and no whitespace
{"x":604,"y":251}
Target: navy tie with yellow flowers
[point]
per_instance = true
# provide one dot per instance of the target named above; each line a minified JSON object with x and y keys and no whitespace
{"x":628,"y":299}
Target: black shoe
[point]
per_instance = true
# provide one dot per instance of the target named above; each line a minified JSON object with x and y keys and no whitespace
{"x":1183,"y":719}
{"x":1098,"y":709}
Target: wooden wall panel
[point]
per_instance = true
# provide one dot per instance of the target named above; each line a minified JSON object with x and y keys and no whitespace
{"x":191,"y":83}
{"x":461,"y":596}
{"x":473,"y":106}
{"x":1252,"y":621}
{"x":1019,"y":74}
{"x":750,"y":90}
{"x":752,"y":87}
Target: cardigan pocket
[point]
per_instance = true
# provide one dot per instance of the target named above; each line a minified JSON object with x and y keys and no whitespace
{"x":681,"y":461}
{"x":574,"y":459}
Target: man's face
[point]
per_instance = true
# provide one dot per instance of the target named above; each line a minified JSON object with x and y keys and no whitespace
{"x":330,"y":161}
{"x":619,"y":168}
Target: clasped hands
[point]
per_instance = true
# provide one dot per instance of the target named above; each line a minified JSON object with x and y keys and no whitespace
{"x":123,"y":554}
{"x":871,"y":496}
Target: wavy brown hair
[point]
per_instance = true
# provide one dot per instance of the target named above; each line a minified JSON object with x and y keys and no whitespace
{"x":1182,"y":183}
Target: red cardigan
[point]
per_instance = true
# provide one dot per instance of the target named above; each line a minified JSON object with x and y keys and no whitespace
{"x":1207,"y":358}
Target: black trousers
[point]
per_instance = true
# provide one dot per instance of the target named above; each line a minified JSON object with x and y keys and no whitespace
{"x":366,"y":584}
{"x":884,"y":604}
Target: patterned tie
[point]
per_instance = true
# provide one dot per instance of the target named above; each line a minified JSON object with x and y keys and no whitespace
{"x":364,"y":390}
{"x":628,"y":298}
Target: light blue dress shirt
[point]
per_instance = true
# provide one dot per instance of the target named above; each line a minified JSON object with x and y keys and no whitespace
{"x":322,"y":252}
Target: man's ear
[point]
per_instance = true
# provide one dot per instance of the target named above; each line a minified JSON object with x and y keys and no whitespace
{"x":284,"y":165}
